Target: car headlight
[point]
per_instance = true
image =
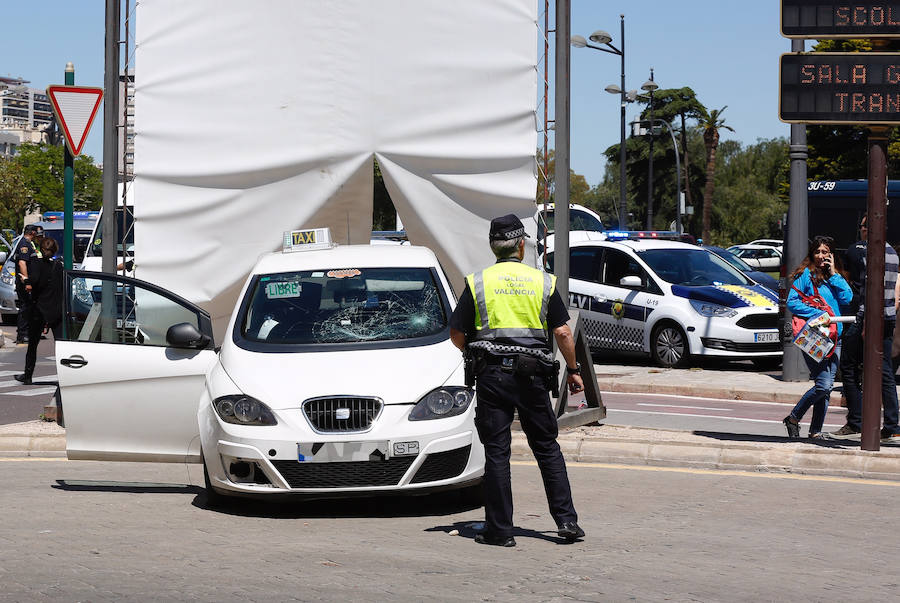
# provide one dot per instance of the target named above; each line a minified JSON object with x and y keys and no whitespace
{"x":243,"y":410}
{"x":442,"y":402}
{"x":712,"y":310}
{"x":81,"y":293}
{"x":8,"y":276}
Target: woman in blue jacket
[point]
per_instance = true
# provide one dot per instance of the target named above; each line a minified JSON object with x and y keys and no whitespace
{"x":818,"y":268}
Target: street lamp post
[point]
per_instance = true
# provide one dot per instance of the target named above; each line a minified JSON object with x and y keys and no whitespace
{"x":650,"y":86}
{"x":668,"y":125}
{"x":601,"y":37}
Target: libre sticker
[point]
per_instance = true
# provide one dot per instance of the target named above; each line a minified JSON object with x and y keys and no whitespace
{"x":343,"y":273}
{"x":281,"y":290}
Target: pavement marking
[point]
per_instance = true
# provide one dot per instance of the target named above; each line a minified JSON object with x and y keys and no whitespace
{"x":677,"y":406}
{"x":814,"y":478}
{"x":686,"y":414}
{"x":28,"y":459}
{"x":13,"y":382}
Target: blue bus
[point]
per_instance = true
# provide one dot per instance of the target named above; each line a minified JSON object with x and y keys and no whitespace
{"x":836,"y":206}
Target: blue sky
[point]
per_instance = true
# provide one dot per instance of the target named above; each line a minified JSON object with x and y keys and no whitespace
{"x":726,"y":50}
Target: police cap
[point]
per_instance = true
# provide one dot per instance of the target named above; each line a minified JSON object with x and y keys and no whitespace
{"x":506,"y":228}
{"x":34,"y":229}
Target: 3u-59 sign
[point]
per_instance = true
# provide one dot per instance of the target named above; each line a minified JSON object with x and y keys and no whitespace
{"x":840,"y":88}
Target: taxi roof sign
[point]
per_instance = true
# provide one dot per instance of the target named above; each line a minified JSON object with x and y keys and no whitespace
{"x":306,"y":240}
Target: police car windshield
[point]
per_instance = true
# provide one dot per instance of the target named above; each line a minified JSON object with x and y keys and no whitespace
{"x":343,"y":305}
{"x":692,"y":267}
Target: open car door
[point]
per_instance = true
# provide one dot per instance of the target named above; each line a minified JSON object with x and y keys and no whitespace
{"x":129,"y":392}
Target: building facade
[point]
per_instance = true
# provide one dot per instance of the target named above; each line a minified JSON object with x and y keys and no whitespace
{"x":25,"y":115}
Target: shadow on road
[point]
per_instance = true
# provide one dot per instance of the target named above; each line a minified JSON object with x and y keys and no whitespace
{"x":71,"y":485}
{"x":749,"y":437}
{"x":300,"y":506}
{"x":468,"y":529}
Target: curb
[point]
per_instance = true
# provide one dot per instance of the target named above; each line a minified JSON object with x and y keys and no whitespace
{"x":32,"y":444}
{"x":666,"y":448}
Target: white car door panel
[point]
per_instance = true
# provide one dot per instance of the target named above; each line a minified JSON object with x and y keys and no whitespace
{"x":126,"y":394}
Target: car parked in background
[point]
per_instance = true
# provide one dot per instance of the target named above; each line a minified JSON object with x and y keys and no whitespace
{"x":776,"y":243}
{"x":671,"y":300}
{"x":763,"y":278}
{"x":761,"y":257}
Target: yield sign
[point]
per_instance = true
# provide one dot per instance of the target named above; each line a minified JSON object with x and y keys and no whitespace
{"x":75,"y":108}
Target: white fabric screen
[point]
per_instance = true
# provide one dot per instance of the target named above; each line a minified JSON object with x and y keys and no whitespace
{"x":253,"y":118}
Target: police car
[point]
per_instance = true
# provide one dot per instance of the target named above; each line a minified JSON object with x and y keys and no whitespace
{"x":336,"y":376}
{"x":669,"y":299}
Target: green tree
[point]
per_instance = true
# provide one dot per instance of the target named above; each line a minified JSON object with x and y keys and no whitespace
{"x":15,"y":199}
{"x":384,"y":215}
{"x":711,"y":122}
{"x":42,"y":169}
{"x":579,"y":189}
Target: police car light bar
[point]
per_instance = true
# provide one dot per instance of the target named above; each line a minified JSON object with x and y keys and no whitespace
{"x":622,"y":235}
{"x":306,"y":240}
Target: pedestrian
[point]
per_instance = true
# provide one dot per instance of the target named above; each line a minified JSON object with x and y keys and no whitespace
{"x":856,"y":257}
{"x":27,"y":248}
{"x":818,"y":278}
{"x":503,"y":323}
{"x":45,"y":286}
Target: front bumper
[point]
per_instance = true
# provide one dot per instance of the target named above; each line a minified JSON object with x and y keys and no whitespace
{"x":262,"y":461}
{"x":723,"y":337}
{"x":8,"y":299}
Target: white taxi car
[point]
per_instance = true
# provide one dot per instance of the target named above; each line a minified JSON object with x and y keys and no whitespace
{"x":670,"y":299}
{"x":337,"y":376}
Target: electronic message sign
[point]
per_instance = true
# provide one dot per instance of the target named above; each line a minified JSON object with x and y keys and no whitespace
{"x":840,"y":88}
{"x":820,"y":19}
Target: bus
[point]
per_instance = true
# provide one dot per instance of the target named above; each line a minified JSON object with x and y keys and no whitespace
{"x":836,"y":206}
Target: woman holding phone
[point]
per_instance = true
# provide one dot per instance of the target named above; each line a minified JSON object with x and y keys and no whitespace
{"x":817,"y":276}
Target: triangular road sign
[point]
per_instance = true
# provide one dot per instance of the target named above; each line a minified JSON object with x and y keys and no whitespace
{"x":75,"y":108}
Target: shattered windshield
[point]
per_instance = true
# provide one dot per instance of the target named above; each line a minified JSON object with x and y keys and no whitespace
{"x":343,"y":305}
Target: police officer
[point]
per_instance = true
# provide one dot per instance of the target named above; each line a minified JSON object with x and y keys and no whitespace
{"x":504,"y":319}
{"x":27,"y":249}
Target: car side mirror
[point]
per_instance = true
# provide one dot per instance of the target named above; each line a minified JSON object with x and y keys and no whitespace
{"x":186,"y":335}
{"x":630,"y":281}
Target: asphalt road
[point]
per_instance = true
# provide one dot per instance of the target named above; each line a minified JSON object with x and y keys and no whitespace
{"x":19,"y":402}
{"x":81,"y":531}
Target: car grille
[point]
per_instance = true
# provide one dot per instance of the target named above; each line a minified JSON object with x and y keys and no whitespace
{"x":759,"y":321}
{"x":731,"y":346}
{"x":322,"y":413}
{"x":355,"y":474}
{"x":443,"y":465}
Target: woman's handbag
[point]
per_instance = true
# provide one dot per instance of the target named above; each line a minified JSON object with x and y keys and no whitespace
{"x":814,"y":301}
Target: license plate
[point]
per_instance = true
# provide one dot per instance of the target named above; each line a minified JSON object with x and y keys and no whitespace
{"x":342,"y":452}
{"x":406,"y":448}
{"x":765,"y":337}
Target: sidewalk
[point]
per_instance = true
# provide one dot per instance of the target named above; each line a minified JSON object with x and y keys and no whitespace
{"x":641,"y":446}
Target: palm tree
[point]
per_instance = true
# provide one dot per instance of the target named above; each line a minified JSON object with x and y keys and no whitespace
{"x":711,"y":122}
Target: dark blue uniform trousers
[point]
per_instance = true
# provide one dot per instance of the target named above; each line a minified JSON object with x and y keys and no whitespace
{"x":499,"y":395}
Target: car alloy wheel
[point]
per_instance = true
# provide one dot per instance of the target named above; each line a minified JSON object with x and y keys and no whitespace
{"x":669,"y":346}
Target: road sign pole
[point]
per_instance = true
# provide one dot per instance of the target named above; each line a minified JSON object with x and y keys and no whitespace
{"x":873,"y":328}
{"x":793,"y":365}
{"x":68,"y":189}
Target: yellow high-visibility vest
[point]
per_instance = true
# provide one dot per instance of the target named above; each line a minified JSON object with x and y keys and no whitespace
{"x":511,"y":300}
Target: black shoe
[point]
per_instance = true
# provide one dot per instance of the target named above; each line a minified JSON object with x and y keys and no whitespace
{"x":793,"y":426}
{"x":570,"y":531}
{"x":22,"y":340}
{"x":23,"y":378}
{"x":484,"y":538}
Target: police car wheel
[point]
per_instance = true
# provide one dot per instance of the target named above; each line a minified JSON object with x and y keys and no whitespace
{"x":669,"y":346}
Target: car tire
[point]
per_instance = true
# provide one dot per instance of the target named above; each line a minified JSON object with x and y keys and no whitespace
{"x":669,"y":346}
{"x":214,"y":498}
